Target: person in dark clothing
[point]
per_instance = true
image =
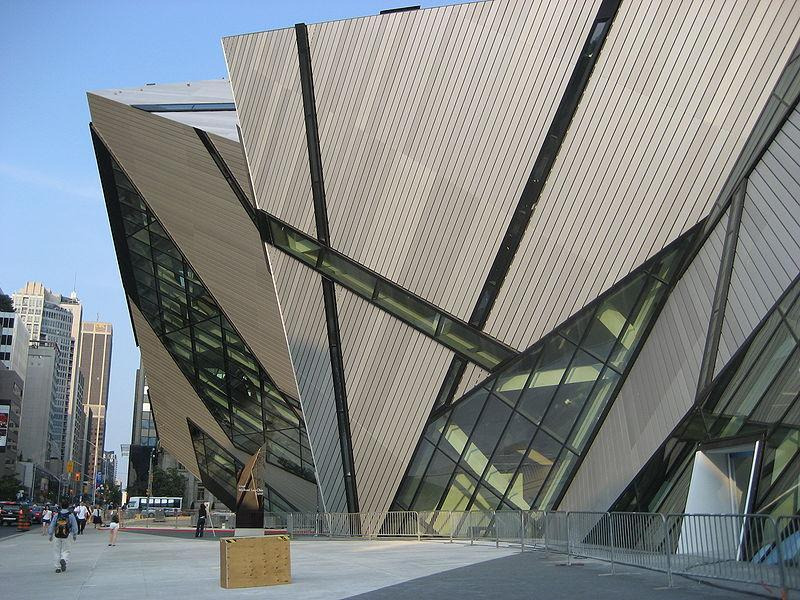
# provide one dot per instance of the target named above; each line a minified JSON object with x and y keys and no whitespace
{"x":201,"y":520}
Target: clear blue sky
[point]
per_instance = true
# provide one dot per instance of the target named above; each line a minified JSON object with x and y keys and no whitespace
{"x":52,"y":218}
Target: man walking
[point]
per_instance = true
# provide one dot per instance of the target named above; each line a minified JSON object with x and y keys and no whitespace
{"x":81,"y":513}
{"x":201,"y":520}
{"x":62,"y":525}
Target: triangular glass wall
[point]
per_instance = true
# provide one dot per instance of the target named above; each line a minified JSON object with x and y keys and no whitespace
{"x":514,"y":441}
{"x":756,"y":397}
{"x":202,"y":341}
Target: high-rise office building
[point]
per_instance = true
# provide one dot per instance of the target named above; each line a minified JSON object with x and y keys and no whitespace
{"x":55,"y":318}
{"x":485,"y":256}
{"x":95,"y":365}
{"x":14,"y":339}
{"x":109,"y":466}
{"x":39,"y":442}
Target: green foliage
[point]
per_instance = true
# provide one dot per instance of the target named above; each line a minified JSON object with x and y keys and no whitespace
{"x":168,"y":482}
{"x":9,"y":486}
{"x":6,"y":304}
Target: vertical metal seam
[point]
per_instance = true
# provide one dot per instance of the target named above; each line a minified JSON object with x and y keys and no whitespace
{"x":328,"y":288}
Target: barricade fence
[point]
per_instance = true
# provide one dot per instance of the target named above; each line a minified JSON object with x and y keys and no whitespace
{"x":748,"y":549}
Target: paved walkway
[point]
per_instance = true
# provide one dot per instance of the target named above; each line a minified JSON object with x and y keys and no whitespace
{"x":152,"y":567}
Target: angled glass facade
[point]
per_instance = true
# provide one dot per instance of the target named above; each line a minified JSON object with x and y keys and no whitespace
{"x":513,"y":442}
{"x":204,"y":344}
{"x":755,"y":398}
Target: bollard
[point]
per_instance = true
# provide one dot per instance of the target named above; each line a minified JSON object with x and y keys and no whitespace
{"x":544,"y":534}
{"x":419,"y":527}
{"x":290,"y":524}
{"x":496,"y":530}
{"x":522,"y":531}
{"x":469,"y":526}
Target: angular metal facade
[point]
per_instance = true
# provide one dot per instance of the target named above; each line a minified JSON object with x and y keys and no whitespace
{"x":416,"y":204}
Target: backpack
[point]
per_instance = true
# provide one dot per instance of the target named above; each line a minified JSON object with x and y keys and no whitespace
{"x":62,"y":526}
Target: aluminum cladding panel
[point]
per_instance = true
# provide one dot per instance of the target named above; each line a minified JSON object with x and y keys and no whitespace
{"x":392,"y":374}
{"x":300,"y":293}
{"x":430,"y":122}
{"x":676,"y":91}
{"x":265,"y":79}
{"x":768,"y":250}
{"x":659,"y":389}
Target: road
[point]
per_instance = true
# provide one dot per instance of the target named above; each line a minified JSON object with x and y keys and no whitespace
{"x":6,"y":531}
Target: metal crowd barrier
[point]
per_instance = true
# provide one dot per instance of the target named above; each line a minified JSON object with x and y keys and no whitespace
{"x":748,"y":549}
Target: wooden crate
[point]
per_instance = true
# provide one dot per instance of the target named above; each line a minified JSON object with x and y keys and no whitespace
{"x":254,"y":561}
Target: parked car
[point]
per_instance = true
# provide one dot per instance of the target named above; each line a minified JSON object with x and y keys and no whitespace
{"x":36,"y":514}
{"x":9,"y":512}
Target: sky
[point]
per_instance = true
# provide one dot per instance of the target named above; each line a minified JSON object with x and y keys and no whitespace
{"x":53,"y":224}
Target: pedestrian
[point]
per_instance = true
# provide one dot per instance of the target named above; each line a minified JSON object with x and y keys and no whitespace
{"x":62,"y":525}
{"x":201,"y":520}
{"x":81,"y":512}
{"x":46,"y":516}
{"x":114,"y":526}
{"x":97,"y":517}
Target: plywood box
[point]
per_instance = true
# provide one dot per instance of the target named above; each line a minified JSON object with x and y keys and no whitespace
{"x":254,"y":561}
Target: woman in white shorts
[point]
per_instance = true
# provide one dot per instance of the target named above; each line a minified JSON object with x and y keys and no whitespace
{"x":46,"y":516}
{"x":114,"y":526}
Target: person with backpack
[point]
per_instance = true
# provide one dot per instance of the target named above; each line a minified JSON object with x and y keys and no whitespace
{"x":62,"y":525}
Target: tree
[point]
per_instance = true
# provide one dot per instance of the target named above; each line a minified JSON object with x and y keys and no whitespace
{"x":6,"y":304}
{"x":9,"y":486}
{"x":168,"y":482}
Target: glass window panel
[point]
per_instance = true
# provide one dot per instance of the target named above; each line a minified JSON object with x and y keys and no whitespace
{"x":407,"y":307}
{"x":486,"y":434}
{"x":667,"y":267}
{"x":536,"y":465}
{"x":761,"y":374}
{"x":139,"y":247}
{"x":508,"y":454}
{"x":571,"y":396}
{"x":434,"y":430}
{"x":485,"y":499}
{"x":752,"y":353}
{"x":601,"y":394}
{"x":576,"y":327}
{"x":462,"y":421}
{"x":303,"y":248}
{"x":634,"y":330}
{"x":136,"y":218}
{"x":611,"y":317}
{"x":130,"y":198}
{"x":460,"y":491}
{"x":141,"y":262}
{"x":789,"y":299}
{"x":782,"y":393}
{"x":169,"y":268}
{"x":779,"y":452}
{"x":558,"y":479}
{"x":348,"y":274}
{"x":556,"y":355}
{"x":415,"y":471}
{"x":793,"y":317}
{"x":511,"y":381}
{"x":470,"y":344}
{"x":435,"y":481}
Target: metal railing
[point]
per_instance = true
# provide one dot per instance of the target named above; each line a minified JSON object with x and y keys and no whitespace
{"x":747,"y":549}
{"x":173,"y":519}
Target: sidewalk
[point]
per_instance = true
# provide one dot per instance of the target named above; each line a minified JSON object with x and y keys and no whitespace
{"x":152,"y":567}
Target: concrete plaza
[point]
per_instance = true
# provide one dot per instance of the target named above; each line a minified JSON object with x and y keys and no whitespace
{"x":152,"y":566}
